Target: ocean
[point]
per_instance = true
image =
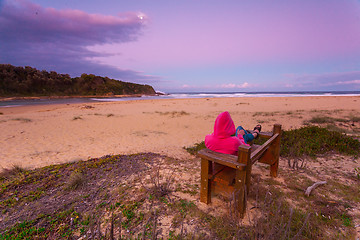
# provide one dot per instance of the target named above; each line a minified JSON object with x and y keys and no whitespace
{"x":182,"y":95}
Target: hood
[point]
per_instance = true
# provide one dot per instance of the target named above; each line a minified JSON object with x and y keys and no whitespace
{"x":224,"y":126}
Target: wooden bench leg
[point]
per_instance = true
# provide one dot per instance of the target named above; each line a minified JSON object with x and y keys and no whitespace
{"x":239,"y":192}
{"x":274,"y":169}
{"x":275,"y":151}
{"x":205,"y":185}
{"x":242,"y":179}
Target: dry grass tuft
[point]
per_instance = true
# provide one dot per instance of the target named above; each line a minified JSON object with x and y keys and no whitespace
{"x":24,"y":120}
{"x":76,"y":180}
{"x":77,"y":118}
{"x":160,"y":184}
{"x":14,"y":171}
{"x":174,"y":113}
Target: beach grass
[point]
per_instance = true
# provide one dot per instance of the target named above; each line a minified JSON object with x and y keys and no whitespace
{"x":242,"y":103}
{"x":194,"y":149}
{"x":357,"y":173}
{"x":327,"y":119}
{"x":354,"y":118}
{"x":76,"y":180}
{"x":265,"y":114}
{"x":15,"y":170}
{"x":321,"y":119}
{"x":174,"y":113}
{"x":20,"y":119}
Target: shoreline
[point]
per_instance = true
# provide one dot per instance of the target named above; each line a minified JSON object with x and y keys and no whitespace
{"x":40,"y":135}
{"x":3,"y":99}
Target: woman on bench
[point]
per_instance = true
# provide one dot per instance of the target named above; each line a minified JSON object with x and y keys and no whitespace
{"x":225,"y":139}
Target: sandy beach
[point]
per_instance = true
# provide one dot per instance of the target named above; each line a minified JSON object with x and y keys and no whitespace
{"x":35,"y":136}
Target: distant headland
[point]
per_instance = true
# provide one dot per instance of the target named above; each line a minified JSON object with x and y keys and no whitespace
{"x":28,"y":82}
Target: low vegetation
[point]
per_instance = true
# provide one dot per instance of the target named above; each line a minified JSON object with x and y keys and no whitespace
{"x":77,"y":118}
{"x":173,"y":113}
{"x":313,"y":140}
{"x":326,"y":119}
{"x":346,"y":124}
{"x":152,"y":196}
{"x":24,"y":120}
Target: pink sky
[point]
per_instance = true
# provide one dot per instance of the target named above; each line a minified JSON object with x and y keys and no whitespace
{"x":190,"y":45}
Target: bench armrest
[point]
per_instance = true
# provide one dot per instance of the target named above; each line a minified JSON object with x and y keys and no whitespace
{"x":255,"y":155}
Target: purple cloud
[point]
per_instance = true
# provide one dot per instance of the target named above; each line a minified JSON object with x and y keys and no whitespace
{"x":58,"y":40}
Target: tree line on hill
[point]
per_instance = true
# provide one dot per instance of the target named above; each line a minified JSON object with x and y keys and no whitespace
{"x":28,"y":81}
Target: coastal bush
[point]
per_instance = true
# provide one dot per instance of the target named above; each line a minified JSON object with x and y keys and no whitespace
{"x":28,"y":81}
{"x":312,"y":140}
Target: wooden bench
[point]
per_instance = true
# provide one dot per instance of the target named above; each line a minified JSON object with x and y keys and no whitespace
{"x":230,"y":175}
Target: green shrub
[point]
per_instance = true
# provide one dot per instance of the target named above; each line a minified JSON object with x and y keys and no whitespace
{"x":312,"y":140}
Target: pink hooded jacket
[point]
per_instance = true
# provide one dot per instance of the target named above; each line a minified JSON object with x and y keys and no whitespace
{"x":221,"y":140}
